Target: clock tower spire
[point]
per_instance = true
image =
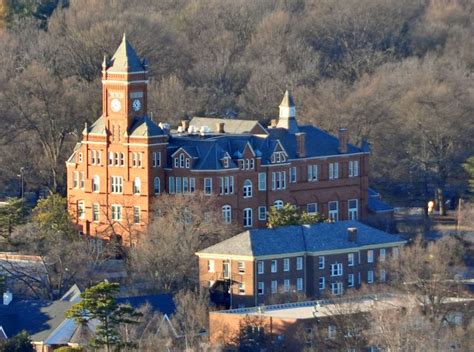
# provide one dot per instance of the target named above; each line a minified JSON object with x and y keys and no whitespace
{"x":124,"y":88}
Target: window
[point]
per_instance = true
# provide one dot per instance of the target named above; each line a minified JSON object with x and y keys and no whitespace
{"x":99,"y":157}
{"x":370,"y":276}
{"x":262,"y":213}
{"x":179,"y":185}
{"x":188,"y":163}
{"x":350,"y":280}
{"x":334,"y":211}
{"x":321,"y":262}
{"x":241,"y":288}
{"x":136,"y":215}
{"x":116,"y":212}
{"x":322,"y":283}
{"x":226,"y":162}
{"x":260,"y":267}
{"x":311,"y":208}
{"x":80,"y":158}
{"x":211,"y":266}
{"x":111,"y":158}
{"x":278,"y":204}
{"x":156,"y":159}
{"x":75,"y":179}
{"x":383,"y":275}
{"x":116,"y":183}
{"x":136,"y":159}
{"x":192,"y":184}
{"x":156,"y":185}
{"x":274,"y":267}
{"x":227,"y":185}
{"x":227,"y":214}
{"x":370,"y":256}
{"x":278,"y":180}
{"x":81,"y":180}
{"x":95,"y":212}
{"x":262,"y":181}
{"x":395,"y":252}
{"x":185,"y":185}
{"x":353,"y":209}
{"x":299,"y":263}
{"x":241,"y":267}
{"x":81,"y":210}
{"x":333,"y":171}
{"x":248,"y":164}
{"x":278,"y":157}
{"x":137,"y":184}
{"x":207,"y":186}
{"x":248,"y":217}
{"x":336,"y":288}
{"x":93,"y":157}
{"x":350,"y":259}
{"x":95,"y":183}
{"x":260,"y":288}
{"x":382,"y":255}
{"x":293,"y":174}
{"x":312,"y":173}
{"x":171,"y":185}
{"x":286,"y":285}
{"x":299,"y":284}
{"x":336,"y":269}
{"x":181,"y":160}
{"x":353,"y":168}
{"x":122,"y":159}
{"x":247,"y":189}
{"x":274,"y":286}
{"x":286,"y":264}
{"x":331,"y":331}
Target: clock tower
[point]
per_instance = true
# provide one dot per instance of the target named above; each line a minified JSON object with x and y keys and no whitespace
{"x":124,"y":89}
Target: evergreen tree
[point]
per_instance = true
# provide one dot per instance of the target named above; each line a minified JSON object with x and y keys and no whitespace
{"x":12,"y":214}
{"x":18,"y":343}
{"x":98,"y":302}
{"x":289,"y":215}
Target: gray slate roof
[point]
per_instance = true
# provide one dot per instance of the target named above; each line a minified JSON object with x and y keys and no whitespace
{"x":298,"y":239}
{"x":233,"y":126}
{"x":145,"y":127}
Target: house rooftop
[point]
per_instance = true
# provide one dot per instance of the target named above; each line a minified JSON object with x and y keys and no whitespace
{"x":300,"y":239}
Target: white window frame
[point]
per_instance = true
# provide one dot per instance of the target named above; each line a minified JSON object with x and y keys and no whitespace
{"x":322,"y":283}
{"x":333,"y":214}
{"x":247,"y":189}
{"x":95,"y":212}
{"x":207,"y":186}
{"x":293,"y":175}
{"x":383,"y":275}
{"x":312,"y":173}
{"x":248,"y":217}
{"x":96,"y":184}
{"x":333,"y":171}
{"x":81,"y":209}
{"x":370,"y":256}
{"x":156,"y":185}
{"x":382,"y":255}
{"x":227,"y":214}
{"x":311,"y":205}
{"x":137,"y":185}
{"x":353,"y":168}
{"x":350,"y":259}
{"x":336,"y":269}
{"x":211,"y":266}
{"x":137,"y":215}
{"x":156,"y":159}
{"x":262,"y":181}
{"x":262,"y":213}
{"x":278,"y":204}
{"x":260,"y":288}
{"x":75,"y":179}
{"x":353,"y":212}
{"x":274,"y":266}
{"x":82,"y":180}
{"x":241,"y":288}
{"x":171,"y":185}
{"x":278,"y":180}
{"x":274,"y":286}
{"x":116,"y":184}
{"x":241,"y":267}
{"x":370,"y":276}
{"x":226,"y":185}
{"x":322,"y":262}
{"x":299,"y":263}
{"x":286,"y":264}
{"x":260,"y":267}
{"x":299,"y":284}
{"x":350,"y":280}
{"x":116,"y":212}
{"x":336,"y":288}
{"x":286,"y":285}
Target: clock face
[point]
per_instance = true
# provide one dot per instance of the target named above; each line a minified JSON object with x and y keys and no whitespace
{"x":137,"y":105}
{"x":115,"y":105}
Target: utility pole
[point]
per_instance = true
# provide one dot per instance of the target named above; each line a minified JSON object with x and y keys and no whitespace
{"x":458,"y":216}
{"x":22,"y":177}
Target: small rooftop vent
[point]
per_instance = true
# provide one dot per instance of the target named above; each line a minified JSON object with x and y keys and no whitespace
{"x":192,"y":130}
{"x":7,"y":298}
{"x":180,"y":129}
{"x":204,"y":130}
{"x":164,"y":126}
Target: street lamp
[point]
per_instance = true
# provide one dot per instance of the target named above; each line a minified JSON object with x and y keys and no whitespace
{"x":22,"y":176}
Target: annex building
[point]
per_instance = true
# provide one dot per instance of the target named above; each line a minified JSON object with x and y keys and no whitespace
{"x":125,"y":161}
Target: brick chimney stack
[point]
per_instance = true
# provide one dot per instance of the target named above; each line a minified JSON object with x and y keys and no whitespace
{"x":300,"y":144}
{"x":342,"y":140}
{"x":220,"y":127}
{"x":352,"y":234}
{"x":273,"y":123}
{"x":185,"y":125}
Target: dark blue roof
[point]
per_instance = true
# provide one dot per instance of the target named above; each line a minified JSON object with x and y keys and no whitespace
{"x":305,"y":238}
{"x":377,"y":205}
{"x":159,"y":303}
{"x":210,"y":149}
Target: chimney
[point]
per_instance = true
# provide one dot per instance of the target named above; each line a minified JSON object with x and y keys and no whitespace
{"x":185,"y":124}
{"x":7,"y":298}
{"x":300,"y":144}
{"x":352,"y":234}
{"x":342,"y":140}
{"x":273,"y":123}
{"x":220,"y":127}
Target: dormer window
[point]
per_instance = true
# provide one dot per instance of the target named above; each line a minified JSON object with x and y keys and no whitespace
{"x":181,"y":162}
{"x":278,"y":157}
{"x":226,"y":161}
{"x":247,"y":164}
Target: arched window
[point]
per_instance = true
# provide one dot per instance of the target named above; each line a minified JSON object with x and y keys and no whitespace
{"x":247,"y":189}
{"x":248,"y":217}
{"x":181,"y":160}
{"x":278,"y":204}
{"x":136,"y":185}
{"x":95,"y":183}
{"x":156,"y":185}
{"x":227,"y":214}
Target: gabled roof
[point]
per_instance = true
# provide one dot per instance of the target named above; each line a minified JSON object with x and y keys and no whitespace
{"x":231,"y":126}
{"x":98,"y":127}
{"x":299,"y":239}
{"x":125,"y":59}
{"x":144,"y":127}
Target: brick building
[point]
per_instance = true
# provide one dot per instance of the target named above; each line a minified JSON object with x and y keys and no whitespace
{"x":125,"y":161}
{"x":314,"y":260}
